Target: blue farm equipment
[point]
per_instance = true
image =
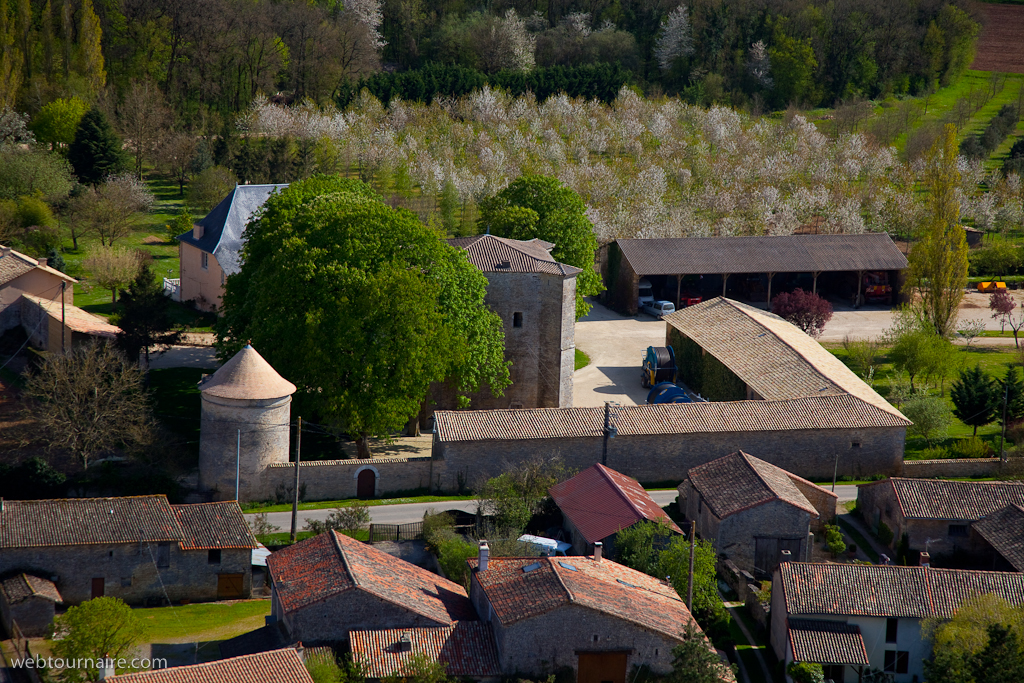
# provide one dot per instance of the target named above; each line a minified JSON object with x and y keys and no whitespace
{"x":667,"y":392}
{"x":659,"y":366}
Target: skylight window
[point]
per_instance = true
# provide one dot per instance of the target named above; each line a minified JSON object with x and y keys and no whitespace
{"x":530,"y":567}
{"x":568,"y":566}
{"x":626,"y":583}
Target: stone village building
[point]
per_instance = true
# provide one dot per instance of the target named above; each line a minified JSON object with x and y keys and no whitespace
{"x":140,"y":549}
{"x":752,"y":510}
{"x":284,"y":665}
{"x":852,"y":618}
{"x":29,"y":602}
{"x":598,"y":503}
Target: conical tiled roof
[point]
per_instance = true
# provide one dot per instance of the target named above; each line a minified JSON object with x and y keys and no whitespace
{"x":247,"y":376}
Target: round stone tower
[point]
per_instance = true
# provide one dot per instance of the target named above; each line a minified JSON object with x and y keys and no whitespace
{"x":246,"y":415}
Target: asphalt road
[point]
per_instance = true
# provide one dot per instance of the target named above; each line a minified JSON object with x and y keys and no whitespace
{"x":413,"y":512}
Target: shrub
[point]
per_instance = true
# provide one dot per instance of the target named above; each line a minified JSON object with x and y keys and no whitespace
{"x":209,"y":187}
{"x":179,"y":225}
{"x":805,"y":672}
{"x":261,"y":526}
{"x":56,"y":261}
{"x":806,"y":310}
{"x":834,"y":540}
{"x":971,"y":448}
{"x":347,"y":519}
{"x":452,"y":554}
{"x":437,"y":526}
{"x":884,"y":534}
{"x":33,"y":212}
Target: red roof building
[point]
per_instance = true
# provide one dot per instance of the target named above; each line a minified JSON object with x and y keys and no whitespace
{"x":466,"y":648}
{"x":279,"y":666}
{"x":599,"y":502}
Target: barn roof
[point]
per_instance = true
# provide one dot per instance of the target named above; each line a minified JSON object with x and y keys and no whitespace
{"x":779,"y":254}
{"x":466,"y":648}
{"x":1004,"y":531}
{"x":952,"y":500}
{"x":213,"y":525}
{"x":492,"y":254}
{"x":739,"y":481}
{"x":601,"y":502}
{"x":86,"y":521}
{"x":826,"y":642}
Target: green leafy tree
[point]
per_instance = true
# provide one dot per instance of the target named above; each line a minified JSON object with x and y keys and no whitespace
{"x":674,"y":563}
{"x":695,"y":661}
{"x":638,"y":546}
{"x":57,"y":122}
{"x":361,"y":305}
{"x":793,"y":66}
{"x":1011,"y":390}
{"x":33,"y":172}
{"x":145,"y":318}
{"x":834,"y":540}
{"x":541,"y":207}
{"x":101,"y":627}
{"x":938,"y":262}
{"x":963,"y":647}
{"x":519,"y":493}
{"x":89,"y":57}
{"x":96,"y":152}
{"x":930,"y":415}
{"x":179,"y":225}
{"x":806,"y":672}
{"x":209,"y":187}
{"x":1002,"y":659}
{"x":975,"y":398}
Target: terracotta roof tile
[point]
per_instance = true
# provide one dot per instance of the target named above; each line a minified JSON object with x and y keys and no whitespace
{"x":492,"y":254}
{"x":333,"y":563}
{"x":86,"y":521}
{"x":889,"y":591}
{"x":277,"y":666}
{"x":247,"y":376}
{"x":952,"y":500}
{"x":772,"y":356}
{"x":1004,"y":531}
{"x":14,"y":264}
{"x":213,"y":525}
{"x":467,"y":648}
{"x":75,"y":318}
{"x":740,"y":481}
{"x":603,"y":586}
{"x":24,"y":586}
{"x":814,"y":412}
{"x":826,"y":642}
{"x":600,"y":502}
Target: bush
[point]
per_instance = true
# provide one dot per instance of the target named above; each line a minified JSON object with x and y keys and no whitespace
{"x":437,"y":526}
{"x":930,"y":415}
{"x":806,"y":310}
{"x":345,"y":519}
{"x":33,"y":212}
{"x":181,"y":224}
{"x":884,"y":534}
{"x":452,"y":553}
{"x":41,"y":240}
{"x":971,"y":448}
{"x":834,"y":540}
{"x":56,"y":261}
{"x":210,"y":187}
{"x":995,"y":260}
{"x":805,"y":672}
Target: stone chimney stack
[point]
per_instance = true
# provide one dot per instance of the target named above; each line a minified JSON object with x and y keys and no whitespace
{"x":482,"y":557}
{"x":785,"y":556}
{"x":926,"y":559}
{"x":598,"y":550}
{"x":197,"y":231}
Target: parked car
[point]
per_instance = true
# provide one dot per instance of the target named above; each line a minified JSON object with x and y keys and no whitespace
{"x":689,"y":298}
{"x":659,"y":309}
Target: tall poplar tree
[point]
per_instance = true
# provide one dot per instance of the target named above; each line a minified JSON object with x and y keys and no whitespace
{"x":10,"y":59}
{"x":90,"y":53}
{"x":938,"y":262}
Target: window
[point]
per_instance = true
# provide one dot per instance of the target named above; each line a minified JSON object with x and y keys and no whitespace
{"x":163,"y":555}
{"x":206,"y":260}
{"x":957,"y":530}
{"x":891,"y":628}
{"x":213,"y":556}
{"x":834,"y":673}
{"x":126,"y":582}
{"x":855,"y":444}
{"x":896,"y":661}
{"x":517,"y":319}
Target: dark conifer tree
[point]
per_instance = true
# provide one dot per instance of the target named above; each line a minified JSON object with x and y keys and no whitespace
{"x":97,"y":151}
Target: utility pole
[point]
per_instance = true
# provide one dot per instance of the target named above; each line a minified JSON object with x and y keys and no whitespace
{"x":63,"y":319}
{"x":238,"y":461}
{"x":295,"y":501}
{"x":835,"y":471}
{"x":1002,"y":435}
{"x":693,"y":545}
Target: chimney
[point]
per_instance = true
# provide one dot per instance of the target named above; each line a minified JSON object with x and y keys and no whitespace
{"x":197,"y":231}
{"x":44,"y":261}
{"x":5,"y":251}
{"x":810,"y":545}
{"x":598,"y":549}
{"x":405,"y":643}
{"x":107,"y":670}
{"x":484,"y":553}
{"x":785,"y":556}
{"x":926,"y":559}
{"x":300,"y":650}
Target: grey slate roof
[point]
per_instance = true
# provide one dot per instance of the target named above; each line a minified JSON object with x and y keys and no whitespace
{"x":224,"y":225}
{"x":492,"y":254}
{"x":1004,"y":531}
{"x":781,"y":254}
{"x":952,"y":500}
{"x":739,"y":481}
{"x":826,"y":642}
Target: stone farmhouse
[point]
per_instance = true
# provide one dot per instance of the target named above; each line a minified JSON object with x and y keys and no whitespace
{"x":588,"y":613}
{"x":210,"y":251}
{"x":936,"y":516}
{"x":326,"y":586}
{"x":598,"y":503}
{"x":466,"y":648}
{"x":852,"y":618}
{"x":30,"y":602}
{"x":752,"y":510}
{"x":140,"y":549}
{"x":279,"y":666}
{"x":999,"y":539}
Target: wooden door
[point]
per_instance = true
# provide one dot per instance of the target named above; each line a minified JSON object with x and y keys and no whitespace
{"x":230,"y":586}
{"x":366,"y":484}
{"x":98,"y":586}
{"x":602,"y":667}
{"x":766,"y":554}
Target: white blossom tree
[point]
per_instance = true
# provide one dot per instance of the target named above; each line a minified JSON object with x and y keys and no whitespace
{"x":675,"y":39}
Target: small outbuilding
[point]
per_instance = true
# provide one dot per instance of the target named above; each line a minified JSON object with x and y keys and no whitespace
{"x":752,"y":510}
{"x":466,"y":649}
{"x":599,"y":502}
{"x":999,"y":538}
{"x":30,"y":603}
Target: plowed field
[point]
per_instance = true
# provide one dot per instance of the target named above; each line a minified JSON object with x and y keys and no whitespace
{"x":1001,"y":44}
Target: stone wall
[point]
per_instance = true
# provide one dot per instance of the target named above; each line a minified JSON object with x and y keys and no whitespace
{"x":659,"y":458}
{"x":33,"y":615}
{"x":621,"y":282}
{"x":953,"y":467}
{"x":823,"y":500}
{"x":336,"y":479}
{"x":130,"y":571}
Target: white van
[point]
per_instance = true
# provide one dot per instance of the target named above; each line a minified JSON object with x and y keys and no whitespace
{"x":546,"y":546}
{"x":646,"y":292}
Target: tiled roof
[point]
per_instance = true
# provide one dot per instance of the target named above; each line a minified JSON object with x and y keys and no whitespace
{"x":14,"y":264}
{"x":213,"y":525}
{"x":1004,"y":531}
{"x":224,"y":225}
{"x":277,"y":666}
{"x":333,"y":563}
{"x":772,"y":356}
{"x":952,"y":500}
{"x":740,"y":481}
{"x":466,"y":648}
{"x":247,"y":376}
{"x":812,"y":412}
{"x":826,"y":642}
{"x":75,"y":318}
{"x":24,"y":586}
{"x":603,"y":586}
{"x":493,"y":254}
{"x":889,"y":591}
{"x":781,"y":254}
{"x":600,"y":502}
{"x":86,"y":521}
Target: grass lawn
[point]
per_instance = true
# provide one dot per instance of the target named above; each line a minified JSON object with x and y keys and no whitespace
{"x":582,"y":359}
{"x":284,"y":537}
{"x":327,"y":504}
{"x":744,"y":650}
{"x":203,"y":621}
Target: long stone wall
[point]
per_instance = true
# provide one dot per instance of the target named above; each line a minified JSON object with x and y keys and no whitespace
{"x":337,"y":479}
{"x":959,"y":467}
